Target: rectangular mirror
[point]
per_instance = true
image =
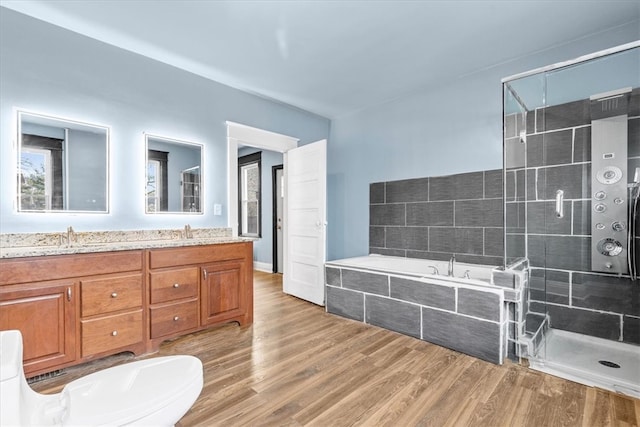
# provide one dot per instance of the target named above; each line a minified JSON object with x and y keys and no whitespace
{"x":174,"y":175}
{"x":62,"y":165}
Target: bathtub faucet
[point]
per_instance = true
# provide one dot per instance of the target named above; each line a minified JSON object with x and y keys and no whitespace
{"x":435,"y":269}
{"x":451,"y":261}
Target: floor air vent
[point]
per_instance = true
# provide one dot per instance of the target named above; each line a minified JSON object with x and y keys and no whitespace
{"x":608,"y":364}
{"x":46,"y":376}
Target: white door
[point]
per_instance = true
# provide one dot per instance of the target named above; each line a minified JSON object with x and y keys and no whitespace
{"x":305,"y":221}
{"x":279,"y":190}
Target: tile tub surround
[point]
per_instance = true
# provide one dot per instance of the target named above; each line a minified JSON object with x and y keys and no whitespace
{"x":557,"y":155}
{"x":437,"y":217}
{"x":464,"y":317}
{"x":38,"y":244}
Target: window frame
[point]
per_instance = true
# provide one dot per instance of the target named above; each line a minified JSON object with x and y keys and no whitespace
{"x":244,"y":163}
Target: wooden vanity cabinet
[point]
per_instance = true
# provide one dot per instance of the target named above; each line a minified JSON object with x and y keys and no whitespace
{"x":194,"y":287}
{"x":45,"y":313}
{"x":64,"y":306}
{"x":75,"y":308}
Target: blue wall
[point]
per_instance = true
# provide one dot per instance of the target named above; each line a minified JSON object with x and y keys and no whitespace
{"x":47,"y":69}
{"x":453,"y":128}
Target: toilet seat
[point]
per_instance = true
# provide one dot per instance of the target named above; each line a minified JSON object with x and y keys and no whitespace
{"x":133,"y":393}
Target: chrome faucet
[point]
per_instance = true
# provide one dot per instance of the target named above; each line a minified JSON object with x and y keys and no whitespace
{"x":188,"y":234}
{"x":451,"y":261}
{"x":435,"y":269}
{"x":69,"y":238}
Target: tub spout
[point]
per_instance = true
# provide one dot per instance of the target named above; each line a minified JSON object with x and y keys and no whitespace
{"x":451,"y":262}
{"x":435,"y":269}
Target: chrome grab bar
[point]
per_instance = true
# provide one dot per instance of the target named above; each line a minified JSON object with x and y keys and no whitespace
{"x":559,"y":204}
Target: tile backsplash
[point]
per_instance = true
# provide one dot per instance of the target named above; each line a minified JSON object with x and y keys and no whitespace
{"x":436,"y":217}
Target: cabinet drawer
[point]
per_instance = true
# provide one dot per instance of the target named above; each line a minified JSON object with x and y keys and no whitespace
{"x":170,"y":319}
{"x":111,"y":332}
{"x":174,"y":284}
{"x":104,"y":295}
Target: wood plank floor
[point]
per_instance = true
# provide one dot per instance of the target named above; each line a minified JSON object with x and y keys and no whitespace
{"x":297,"y":365}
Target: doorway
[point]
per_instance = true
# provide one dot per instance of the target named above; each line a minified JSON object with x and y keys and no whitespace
{"x":277,"y":183}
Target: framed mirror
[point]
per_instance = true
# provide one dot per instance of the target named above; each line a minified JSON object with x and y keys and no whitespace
{"x":173,"y":175}
{"x":63,"y":165}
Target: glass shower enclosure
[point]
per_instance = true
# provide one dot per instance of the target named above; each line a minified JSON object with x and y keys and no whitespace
{"x":572,"y":189}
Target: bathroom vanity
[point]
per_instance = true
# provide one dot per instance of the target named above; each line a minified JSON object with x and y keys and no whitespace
{"x":99,"y":300}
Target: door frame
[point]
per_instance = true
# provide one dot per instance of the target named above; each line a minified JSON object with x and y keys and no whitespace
{"x":274,"y":220}
{"x":239,"y":134}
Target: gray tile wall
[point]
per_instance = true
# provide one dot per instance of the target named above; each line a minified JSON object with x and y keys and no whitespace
{"x":557,"y":155}
{"x":437,"y":217}
{"x":463,"y":319}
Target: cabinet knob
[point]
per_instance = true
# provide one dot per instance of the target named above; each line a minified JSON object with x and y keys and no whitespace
{"x":176,"y":318}
{"x":176,"y":285}
{"x":114,"y":295}
{"x":114,"y":333}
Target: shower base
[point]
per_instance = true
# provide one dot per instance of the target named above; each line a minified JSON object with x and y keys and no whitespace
{"x":591,"y":361}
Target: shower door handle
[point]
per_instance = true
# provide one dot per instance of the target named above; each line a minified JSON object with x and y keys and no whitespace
{"x":559,"y":203}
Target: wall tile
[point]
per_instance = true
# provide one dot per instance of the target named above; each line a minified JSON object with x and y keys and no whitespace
{"x":602,"y":325}
{"x":634,"y":103}
{"x":493,"y":261}
{"x":365,"y":282}
{"x":562,"y":116}
{"x":515,"y":217}
{"x":479,"y":213}
{"x":430,"y":213}
{"x":634,"y":137}
{"x":582,"y":217}
{"x":454,"y":187}
{"x":435,"y":256}
{"x":510,"y":125}
{"x":376,"y":192}
{"x":531,"y":121}
{"x":345,"y":303}
{"x":474,"y":337}
{"x":514,"y":153}
{"x":394,"y":315}
{"x":515,"y":246}
{"x":521,"y":122}
{"x":387,"y":214}
{"x":574,"y":180}
{"x":332,"y":276}
{"x":494,"y":241}
{"x":461,"y":240}
{"x":493,"y":184}
{"x":388,"y":252}
{"x":631,"y":330}
{"x":550,"y":286}
{"x":423,"y":293}
{"x":542,"y":218}
{"x":533,"y":322}
{"x":408,"y":190}
{"x":376,"y":237}
{"x":582,"y":145}
{"x":485,"y":305}
{"x":606,"y":293}
{"x":562,"y":252}
{"x":551,"y":148}
{"x":416,"y":238}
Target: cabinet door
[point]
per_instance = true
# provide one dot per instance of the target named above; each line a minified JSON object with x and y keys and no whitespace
{"x":223,"y":293}
{"x":45,"y":313}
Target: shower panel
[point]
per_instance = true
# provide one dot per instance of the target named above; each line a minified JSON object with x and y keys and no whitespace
{"x":609,"y":218}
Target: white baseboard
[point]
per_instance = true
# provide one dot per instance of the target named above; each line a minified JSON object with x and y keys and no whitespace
{"x":267,"y":267}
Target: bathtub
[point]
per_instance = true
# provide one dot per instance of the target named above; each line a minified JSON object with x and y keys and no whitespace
{"x":464,"y":312}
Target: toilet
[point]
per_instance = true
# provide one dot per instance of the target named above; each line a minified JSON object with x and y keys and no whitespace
{"x":152,"y":392}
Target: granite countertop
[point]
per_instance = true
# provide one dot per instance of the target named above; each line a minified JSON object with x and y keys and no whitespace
{"x":22,"y":245}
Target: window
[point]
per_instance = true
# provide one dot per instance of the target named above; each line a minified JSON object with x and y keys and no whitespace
{"x":157,"y":191}
{"x":249,"y":194}
{"x":40,"y":173}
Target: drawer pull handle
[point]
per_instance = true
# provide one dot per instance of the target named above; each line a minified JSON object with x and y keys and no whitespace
{"x":114,"y":295}
{"x":176,"y":318}
{"x":69,"y":294}
{"x":176,"y":285}
{"x":114,"y":333}
{"x":205,"y":274}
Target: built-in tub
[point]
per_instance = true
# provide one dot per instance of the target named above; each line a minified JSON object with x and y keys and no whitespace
{"x":466,"y":314}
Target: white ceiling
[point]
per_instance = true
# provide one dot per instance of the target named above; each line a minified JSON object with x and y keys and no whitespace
{"x":333,"y":57}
